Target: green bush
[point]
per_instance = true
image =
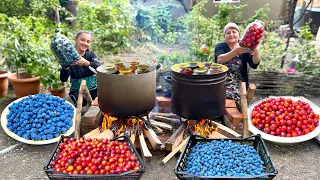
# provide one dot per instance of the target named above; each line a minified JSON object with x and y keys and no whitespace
{"x":171,"y":58}
{"x":111,"y":22}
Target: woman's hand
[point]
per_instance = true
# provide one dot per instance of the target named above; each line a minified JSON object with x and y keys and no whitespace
{"x":241,"y":50}
{"x":82,"y":62}
{"x":255,"y":51}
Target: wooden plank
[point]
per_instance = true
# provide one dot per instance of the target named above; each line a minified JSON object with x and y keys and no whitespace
{"x":166,"y":119}
{"x":225,"y":130}
{"x":92,"y":133}
{"x":153,"y":138}
{"x":108,"y":134}
{"x":146,"y":155}
{"x":176,"y":138}
{"x":217,"y":135}
{"x":250,"y":94}
{"x":161,"y":125}
{"x":244,"y":109}
{"x":174,"y":151}
{"x":78,"y":112}
{"x":95,"y":102}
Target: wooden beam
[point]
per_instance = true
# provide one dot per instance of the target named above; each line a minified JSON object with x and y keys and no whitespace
{"x":174,"y":151}
{"x":106,"y":134}
{"x":225,"y":130}
{"x":244,"y":109}
{"x":86,"y":94}
{"x":250,"y":94}
{"x":161,"y":125}
{"x":166,"y":119}
{"x":92,"y":133}
{"x":153,"y":139}
{"x":216,"y":135}
{"x":176,"y":138}
{"x":146,"y":155}
{"x":79,"y":108}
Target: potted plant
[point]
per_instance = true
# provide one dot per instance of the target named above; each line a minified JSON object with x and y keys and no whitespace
{"x":51,"y":79}
{"x":3,"y":83}
{"x":26,"y":51}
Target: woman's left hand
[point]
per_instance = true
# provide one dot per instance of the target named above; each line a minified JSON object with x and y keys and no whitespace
{"x":82,"y":62}
{"x":255,"y":51}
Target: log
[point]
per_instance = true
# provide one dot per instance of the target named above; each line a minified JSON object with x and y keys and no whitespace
{"x":146,"y":155}
{"x":79,"y":108}
{"x":225,"y":130}
{"x":106,"y":134}
{"x":161,"y":125}
{"x":176,"y":138}
{"x":174,"y":151}
{"x":216,"y":135}
{"x":92,"y":133}
{"x":166,"y":119}
{"x":250,"y":94}
{"x":244,"y":109}
{"x":153,"y":139}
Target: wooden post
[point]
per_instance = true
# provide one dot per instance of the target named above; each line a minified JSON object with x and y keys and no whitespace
{"x":244,"y":109}
{"x":250,"y":94}
{"x":79,"y":108}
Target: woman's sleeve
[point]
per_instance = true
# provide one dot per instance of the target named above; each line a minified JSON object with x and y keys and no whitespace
{"x":64,"y":74}
{"x":249,"y":59}
{"x":94,"y":61}
{"x":218,"y":50}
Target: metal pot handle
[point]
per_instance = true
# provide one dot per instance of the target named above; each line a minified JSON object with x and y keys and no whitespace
{"x":168,"y":79}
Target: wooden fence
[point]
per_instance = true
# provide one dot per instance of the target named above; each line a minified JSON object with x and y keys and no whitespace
{"x":275,"y":83}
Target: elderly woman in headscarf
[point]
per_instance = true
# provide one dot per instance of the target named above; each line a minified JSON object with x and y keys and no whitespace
{"x":237,"y":59}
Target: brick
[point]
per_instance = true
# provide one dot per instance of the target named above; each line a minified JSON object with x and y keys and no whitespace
{"x":164,"y":104}
{"x":91,"y":119}
{"x":234,"y":115}
{"x":237,"y":128}
{"x":230,"y":103}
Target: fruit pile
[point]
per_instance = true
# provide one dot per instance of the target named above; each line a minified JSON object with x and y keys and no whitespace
{"x":94,"y":156}
{"x":224,"y":158}
{"x":252,"y":36}
{"x":284,"y":117}
{"x":40,"y":117}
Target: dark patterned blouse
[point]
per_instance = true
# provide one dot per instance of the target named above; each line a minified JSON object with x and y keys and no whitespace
{"x":238,"y":70}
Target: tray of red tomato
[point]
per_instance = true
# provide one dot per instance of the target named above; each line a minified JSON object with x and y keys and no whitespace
{"x":284,"y":120}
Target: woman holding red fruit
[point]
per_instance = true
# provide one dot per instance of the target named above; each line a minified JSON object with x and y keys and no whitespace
{"x":236,"y":58}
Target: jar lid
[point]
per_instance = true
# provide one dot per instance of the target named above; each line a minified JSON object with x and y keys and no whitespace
{"x":200,"y":70}
{"x":134,"y":63}
{"x":125,"y":71}
{"x":109,"y":67}
{"x":143,"y":67}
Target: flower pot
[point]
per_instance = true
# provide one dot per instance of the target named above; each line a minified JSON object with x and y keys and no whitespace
{"x":4,"y":83}
{"x":61,"y":92}
{"x":25,"y":85}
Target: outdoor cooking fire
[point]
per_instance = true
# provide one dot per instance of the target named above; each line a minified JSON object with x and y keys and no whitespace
{"x":204,"y":128}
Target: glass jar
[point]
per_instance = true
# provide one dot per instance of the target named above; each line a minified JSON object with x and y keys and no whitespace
{"x":142,"y":69}
{"x":134,"y":66}
{"x":200,"y":71}
{"x":118,"y":66}
{"x":110,"y":69}
{"x":215,"y":69}
{"x":206,"y":65}
{"x":125,"y":71}
{"x":193,"y":65}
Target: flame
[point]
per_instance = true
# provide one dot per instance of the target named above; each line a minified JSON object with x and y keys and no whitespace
{"x":121,"y":129}
{"x":204,"y":127}
{"x":107,"y":120}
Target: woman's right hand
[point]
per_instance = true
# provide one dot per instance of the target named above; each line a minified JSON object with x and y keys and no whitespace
{"x":241,"y":50}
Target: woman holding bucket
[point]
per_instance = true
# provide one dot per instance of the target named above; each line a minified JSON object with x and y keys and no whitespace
{"x":80,"y":70}
{"x":236,"y":58}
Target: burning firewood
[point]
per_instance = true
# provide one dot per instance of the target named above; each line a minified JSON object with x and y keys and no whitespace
{"x":176,"y":138}
{"x":146,"y":154}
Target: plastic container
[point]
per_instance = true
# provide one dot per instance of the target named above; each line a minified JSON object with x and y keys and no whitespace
{"x":134,"y":174}
{"x":255,"y":141}
{"x":64,"y":50}
{"x":253,"y":33}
